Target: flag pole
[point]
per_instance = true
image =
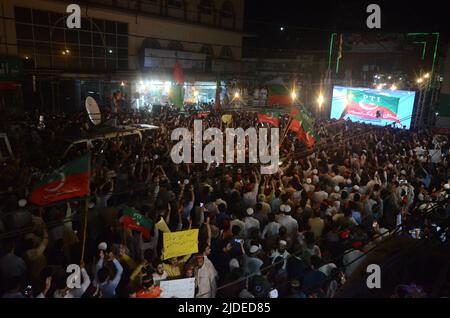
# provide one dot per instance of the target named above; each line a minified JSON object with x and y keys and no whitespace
{"x":86,"y":207}
{"x":286,"y":130}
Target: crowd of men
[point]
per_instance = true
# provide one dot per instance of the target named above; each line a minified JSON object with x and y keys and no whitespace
{"x":299,"y":233}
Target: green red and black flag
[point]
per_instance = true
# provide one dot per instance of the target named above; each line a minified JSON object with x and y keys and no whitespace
{"x":278,"y":93}
{"x":69,"y":181}
{"x":133,"y":220}
{"x":302,"y":124}
{"x":177,"y":92}
{"x":272,"y":118}
{"x":372,"y":106}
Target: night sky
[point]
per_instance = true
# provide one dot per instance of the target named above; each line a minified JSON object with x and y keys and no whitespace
{"x":309,"y":23}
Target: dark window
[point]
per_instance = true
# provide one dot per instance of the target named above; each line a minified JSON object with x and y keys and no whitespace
{"x":41,"y":33}
{"x":40,"y":17}
{"x":175,"y":45}
{"x":227,"y":10}
{"x":110,"y":40}
{"x":110,"y":27}
{"x":122,"y":28}
{"x":226,"y":52}
{"x":205,"y":7}
{"x":57,"y":19}
{"x":122,"y":53}
{"x":206,"y":49}
{"x":85,"y":51}
{"x":98,"y":25}
{"x":24,"y":31}
{"x":122,"y":41}
{"x":71,"y":36}
{"x":85,"y":37}
{"x":22,"y":14}
{"x":151,"y":43}
{"x":175,"y":3}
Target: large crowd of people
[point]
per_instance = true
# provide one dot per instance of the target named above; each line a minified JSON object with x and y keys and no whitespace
{"x":299,"y":233}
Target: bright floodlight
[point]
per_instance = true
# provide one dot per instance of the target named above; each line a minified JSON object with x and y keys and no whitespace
{"x":427,"y":75}
{"x":196,"y":93}
{"x":419,"y":80}
{"x":393,"y":87}
{"x":293,"y":95}
{"x":236,"y":95}
{"x":320,"y":100}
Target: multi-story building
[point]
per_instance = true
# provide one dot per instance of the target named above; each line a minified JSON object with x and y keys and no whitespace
{"x":119,"y":44}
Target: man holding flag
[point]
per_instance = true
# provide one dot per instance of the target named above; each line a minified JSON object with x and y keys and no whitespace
{"x":302,"y":124}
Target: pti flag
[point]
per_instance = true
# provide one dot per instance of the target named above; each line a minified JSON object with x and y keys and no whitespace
{"x":271,"y":118}
{"x":372,"y":106}
{"x":177,"y":93}
{"x":133,"y":220}
{"x":279,"y":93}
{"x":303,"y":125}
{"x":69,"y":181}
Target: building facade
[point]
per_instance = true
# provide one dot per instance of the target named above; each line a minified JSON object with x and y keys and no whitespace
{"x":119,"y":42}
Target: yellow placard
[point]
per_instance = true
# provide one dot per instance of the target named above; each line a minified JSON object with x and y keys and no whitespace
{"x":180,"y":243}
{"x":227,"y":118}
{"x":162,"y":226}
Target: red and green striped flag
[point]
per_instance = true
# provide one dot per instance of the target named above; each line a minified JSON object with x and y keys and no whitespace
{"x":69,"y":181}
{"x":372,"y":106}
{"x":302,"y":124}
{"x":272,"y":118}
{"x":133,"y":220}
{"x":177,"y":93}
{"x":279,"y":95}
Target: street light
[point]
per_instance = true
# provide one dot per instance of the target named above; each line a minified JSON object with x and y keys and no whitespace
{"x":196,"y":93}
{"x":122,"y":84}
{"x":380,"y":86}
{"x":281,"y":28}
{"x":236,"y":95}
{"x":393,"y":87}
{"x":419,"y":80}
{"x":293,"y":95}
{"x":320,"y":100}
{"x":427,"y":75}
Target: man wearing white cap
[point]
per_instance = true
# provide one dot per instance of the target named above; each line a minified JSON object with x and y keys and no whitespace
{"x":288,"y":221}
{"x":307,"y":185}
{"x":280,"y":252}
{"x":252,"y":264}
{"x":250,"y":222}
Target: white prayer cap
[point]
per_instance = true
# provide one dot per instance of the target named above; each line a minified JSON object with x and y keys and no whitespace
{"x":102,"y":246}
{"x":356,"y":187}
{"x":349,"y":181}
{"x":250,"y":211}
{"x":447,"y":186}
{"x":315,"y":171}
{"x":254,"y":249}
{"x":273,"y":293}
{"x":337,"y":189}
{"x":233,"y":264}
{"x":285,"y":208}
{"x":308,"y":180}
{"x":283,"y":242}
{"x":403,"y":172}
{"x":22,"y":203}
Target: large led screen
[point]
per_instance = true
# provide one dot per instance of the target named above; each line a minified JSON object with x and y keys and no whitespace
{"x":373,"y":106}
